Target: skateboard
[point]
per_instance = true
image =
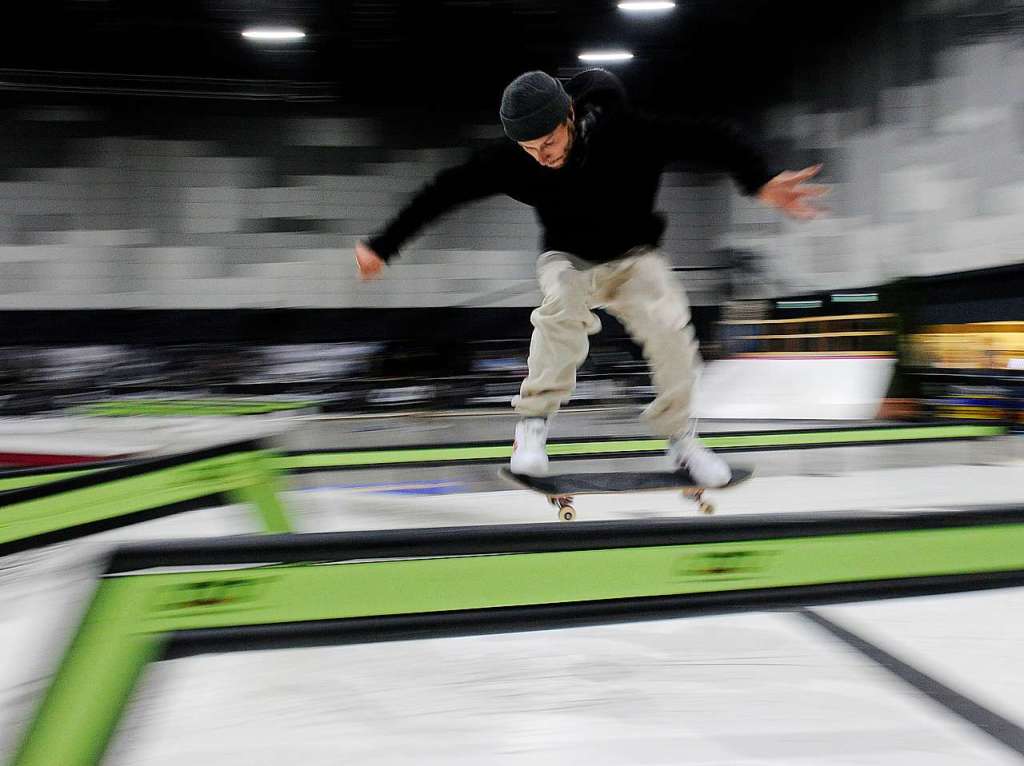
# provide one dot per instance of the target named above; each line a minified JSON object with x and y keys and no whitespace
{"x":561,"y":489}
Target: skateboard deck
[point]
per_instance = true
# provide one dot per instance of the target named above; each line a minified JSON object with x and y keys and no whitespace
{"x":560,"y":489}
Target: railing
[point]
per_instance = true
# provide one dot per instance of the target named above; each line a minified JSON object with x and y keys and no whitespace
{"x":846,"y":335}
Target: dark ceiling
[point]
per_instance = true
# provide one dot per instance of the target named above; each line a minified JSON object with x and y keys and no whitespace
{"x":436,"y":52}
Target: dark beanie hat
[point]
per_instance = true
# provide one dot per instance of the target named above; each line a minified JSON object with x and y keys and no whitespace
{"x":533,"y":105}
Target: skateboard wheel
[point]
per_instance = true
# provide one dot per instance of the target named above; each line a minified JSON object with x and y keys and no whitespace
{"x":564,"y":505}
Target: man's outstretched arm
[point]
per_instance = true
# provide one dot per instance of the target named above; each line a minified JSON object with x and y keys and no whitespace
{"x":723,"y":144}
{"x":475,"y":179}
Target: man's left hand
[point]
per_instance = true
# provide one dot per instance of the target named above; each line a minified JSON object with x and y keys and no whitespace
{"x":788,"y":192}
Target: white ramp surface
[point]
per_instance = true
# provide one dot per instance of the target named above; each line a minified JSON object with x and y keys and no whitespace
{"x":733,"y":690}
{"x":793,"y":389}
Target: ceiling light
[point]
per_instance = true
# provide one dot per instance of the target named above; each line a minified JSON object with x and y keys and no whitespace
{"x":273,"y":34}
{"x":641,"y":6}
{"x":606,"y":56}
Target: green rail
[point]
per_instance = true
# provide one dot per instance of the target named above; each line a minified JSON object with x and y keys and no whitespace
{"x":133,"y":616}
{"x":192,"y":407}
{"x":775,"y":439}
{"x":248,"y":476}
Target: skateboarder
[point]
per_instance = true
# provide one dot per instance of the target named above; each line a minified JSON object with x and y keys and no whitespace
{"x":590,"y":165}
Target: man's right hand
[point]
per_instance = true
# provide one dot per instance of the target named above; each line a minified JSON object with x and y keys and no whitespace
{"x":368,"y":262}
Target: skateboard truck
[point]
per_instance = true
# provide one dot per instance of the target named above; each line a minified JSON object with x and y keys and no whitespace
{"x":697,"y":495}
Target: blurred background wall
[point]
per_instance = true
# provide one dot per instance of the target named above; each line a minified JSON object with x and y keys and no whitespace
{"x":164,"y":209}
{"x":917,"y":113}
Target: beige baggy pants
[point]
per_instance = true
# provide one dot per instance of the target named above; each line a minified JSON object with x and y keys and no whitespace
{"x":642,"y":292}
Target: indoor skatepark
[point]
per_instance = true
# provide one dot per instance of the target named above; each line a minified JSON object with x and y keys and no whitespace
{"x":250,"y":502}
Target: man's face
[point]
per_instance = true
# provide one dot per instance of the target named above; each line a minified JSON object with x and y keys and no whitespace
{"x":552,"y":150}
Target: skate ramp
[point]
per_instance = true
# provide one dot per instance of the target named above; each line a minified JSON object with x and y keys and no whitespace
{"x":833,"y":388}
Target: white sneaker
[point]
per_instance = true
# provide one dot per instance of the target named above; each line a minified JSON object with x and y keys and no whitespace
{"x":528,"y":454}
{"x":686,"y":453}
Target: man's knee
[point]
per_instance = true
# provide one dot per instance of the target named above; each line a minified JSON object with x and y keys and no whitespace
{"x":566,"y":307}
{"x":669,"y":313}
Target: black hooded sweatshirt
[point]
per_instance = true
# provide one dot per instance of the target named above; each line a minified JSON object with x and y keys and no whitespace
{"x":600,"y":203}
